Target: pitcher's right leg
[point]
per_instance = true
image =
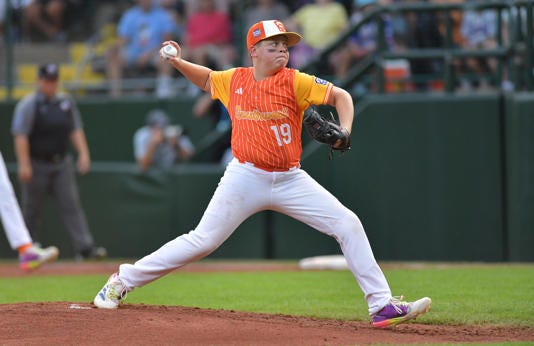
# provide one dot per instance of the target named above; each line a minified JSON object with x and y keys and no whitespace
{"x":230,"y":205}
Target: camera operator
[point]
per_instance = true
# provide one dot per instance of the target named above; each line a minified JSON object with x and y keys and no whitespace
{"x":160,"y":144}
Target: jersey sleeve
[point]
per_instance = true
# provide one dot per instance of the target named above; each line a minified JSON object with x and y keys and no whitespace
{"x":311,"y":90}
{"x":220,"y":85}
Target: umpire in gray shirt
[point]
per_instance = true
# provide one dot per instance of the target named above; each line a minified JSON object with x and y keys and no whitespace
{"x":43,"y":124}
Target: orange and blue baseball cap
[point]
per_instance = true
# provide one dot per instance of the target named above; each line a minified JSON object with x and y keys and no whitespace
{"x":268,"y":29}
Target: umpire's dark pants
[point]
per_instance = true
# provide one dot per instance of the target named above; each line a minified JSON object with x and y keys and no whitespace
{"x":57,"y":179}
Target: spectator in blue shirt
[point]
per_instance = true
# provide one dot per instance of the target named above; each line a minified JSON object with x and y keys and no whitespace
{"x":141,"y":30}
{"x":479,"y":28}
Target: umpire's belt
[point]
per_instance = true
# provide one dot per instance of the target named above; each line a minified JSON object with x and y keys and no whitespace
{"x":54,"y":158}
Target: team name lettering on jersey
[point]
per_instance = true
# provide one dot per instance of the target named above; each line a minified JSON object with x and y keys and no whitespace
{"x":257,"y":115}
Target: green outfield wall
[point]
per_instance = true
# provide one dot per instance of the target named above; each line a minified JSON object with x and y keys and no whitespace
{"x":432,"y":177}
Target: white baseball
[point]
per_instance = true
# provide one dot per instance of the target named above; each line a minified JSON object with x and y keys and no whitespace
{"x":169,"y":51}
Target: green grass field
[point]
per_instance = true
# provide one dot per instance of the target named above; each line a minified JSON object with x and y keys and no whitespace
{"x":462,"y":294}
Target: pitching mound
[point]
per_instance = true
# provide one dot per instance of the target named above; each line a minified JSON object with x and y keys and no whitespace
{"x":79,"y":323}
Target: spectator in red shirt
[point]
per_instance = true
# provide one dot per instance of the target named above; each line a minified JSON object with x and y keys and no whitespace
{"x":209,"y":37}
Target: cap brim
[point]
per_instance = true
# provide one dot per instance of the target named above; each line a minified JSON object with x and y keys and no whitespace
{"x":292,"y":38}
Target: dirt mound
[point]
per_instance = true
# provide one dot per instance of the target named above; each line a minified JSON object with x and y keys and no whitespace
{"x":63,"y":323}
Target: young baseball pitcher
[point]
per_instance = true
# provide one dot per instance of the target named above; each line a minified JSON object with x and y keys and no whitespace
{"x":266,"y":103}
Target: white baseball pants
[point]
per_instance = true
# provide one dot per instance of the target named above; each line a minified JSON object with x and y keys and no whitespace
{"x":245,"y":190}
{"x":14,"y":226}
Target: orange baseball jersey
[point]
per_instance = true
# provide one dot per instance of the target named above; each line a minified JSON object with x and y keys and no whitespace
{"x":267,"y":115}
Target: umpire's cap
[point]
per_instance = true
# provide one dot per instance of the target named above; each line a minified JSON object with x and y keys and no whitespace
{"x":48,"y":71}
{"x":157,"y":118}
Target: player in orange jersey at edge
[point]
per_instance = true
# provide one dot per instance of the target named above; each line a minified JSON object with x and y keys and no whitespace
{"x":266,"y":104}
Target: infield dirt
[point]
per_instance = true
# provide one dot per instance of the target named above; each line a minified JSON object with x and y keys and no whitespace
{"x":79,"y":323}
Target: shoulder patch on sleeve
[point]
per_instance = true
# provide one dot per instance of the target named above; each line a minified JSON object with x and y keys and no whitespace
{"x":320,"y":81}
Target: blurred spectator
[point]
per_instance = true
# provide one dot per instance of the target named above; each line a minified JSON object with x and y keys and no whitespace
{"x":41,"y":19}
{"x":260,"y":10}
{"x":263,"y":10}
{"x":479,"y":29}
{"x":176,"y":9}
{"x":209,"y":37}
{"x":456,"y":18}
{"x":141,"y":30}
{"x":424,"y":33}
{"x":294,"y":5}
{"x":363,"y":42}
{"x":399,"y":24}
{"x":206,"y":107}
{"x":160,"y":144}
{"x":192,"y":6}
{"x":320,"y":23}
{"x":15,"y":7}
{"x":46,"y":17}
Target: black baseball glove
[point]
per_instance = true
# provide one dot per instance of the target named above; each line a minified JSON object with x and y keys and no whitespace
{"x":325,"y":131}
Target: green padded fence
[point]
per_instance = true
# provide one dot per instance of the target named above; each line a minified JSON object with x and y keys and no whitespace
{"x":432,"y":177}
